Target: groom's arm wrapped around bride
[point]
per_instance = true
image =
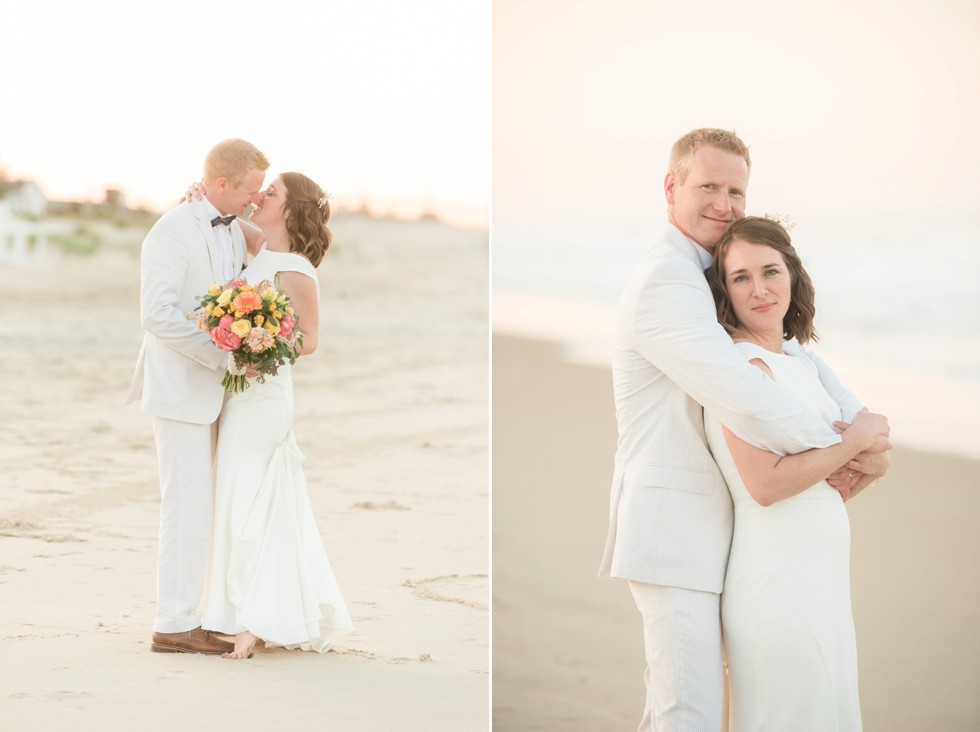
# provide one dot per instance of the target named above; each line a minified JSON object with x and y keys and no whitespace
{"x":675,"y":327}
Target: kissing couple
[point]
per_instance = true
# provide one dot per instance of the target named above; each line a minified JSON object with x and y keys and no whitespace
{"x":239,"y":550}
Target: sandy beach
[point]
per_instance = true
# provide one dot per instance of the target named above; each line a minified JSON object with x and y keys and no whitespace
{"x":567,"y":648}
{"x":392,"y":415}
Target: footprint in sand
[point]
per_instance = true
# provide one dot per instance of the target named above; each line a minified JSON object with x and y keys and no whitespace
{"x":469,"y":590}
{"x":389,"y":506}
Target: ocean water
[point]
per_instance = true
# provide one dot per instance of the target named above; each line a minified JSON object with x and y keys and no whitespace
{"x":898,"y":304}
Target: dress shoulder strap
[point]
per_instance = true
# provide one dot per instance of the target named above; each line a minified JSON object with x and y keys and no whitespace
{"x":290,"y":262}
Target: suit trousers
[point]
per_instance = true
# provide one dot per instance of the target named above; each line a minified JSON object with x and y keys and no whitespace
{"x":684,"y":675}
{"x":184,"y":451}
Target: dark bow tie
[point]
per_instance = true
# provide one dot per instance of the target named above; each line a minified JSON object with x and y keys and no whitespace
{"x":223,"y":220}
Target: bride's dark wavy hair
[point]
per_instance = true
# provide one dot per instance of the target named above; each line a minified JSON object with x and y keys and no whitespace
{"x":306,"y":218}
{"x":798,"y":321}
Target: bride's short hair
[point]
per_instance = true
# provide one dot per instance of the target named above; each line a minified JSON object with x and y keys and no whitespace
{"x":683,"y":150}
{"x":798,"y":321}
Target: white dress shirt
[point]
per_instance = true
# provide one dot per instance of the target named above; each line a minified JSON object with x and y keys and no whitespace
{"x":222,"y":235}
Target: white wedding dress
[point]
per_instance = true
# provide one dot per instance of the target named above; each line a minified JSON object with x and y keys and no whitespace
{"x":786,"y":604}
{"x":269,"y":572}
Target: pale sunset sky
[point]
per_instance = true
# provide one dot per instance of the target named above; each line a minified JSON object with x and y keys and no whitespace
{"x":378,"y":100}
{"x":848,"y":106}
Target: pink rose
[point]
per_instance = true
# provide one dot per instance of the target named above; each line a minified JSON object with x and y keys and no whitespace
{"x":226,"y":321}
{"x":235,"y":284}
{"x":225,"y":339}
{"x":286,"y":325}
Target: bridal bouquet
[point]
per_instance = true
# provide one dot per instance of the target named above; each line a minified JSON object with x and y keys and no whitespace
{"x":255,"y":323}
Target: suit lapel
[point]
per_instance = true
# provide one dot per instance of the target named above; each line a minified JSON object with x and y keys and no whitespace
{"x":207,"y":231}
{"x":238,"y":239}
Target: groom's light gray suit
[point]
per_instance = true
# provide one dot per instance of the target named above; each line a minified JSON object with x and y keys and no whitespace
{"x":178,"y":381}
{"x":670,"y":510}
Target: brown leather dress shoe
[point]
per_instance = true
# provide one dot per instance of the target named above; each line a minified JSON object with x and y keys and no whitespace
{"x":191,"y":641}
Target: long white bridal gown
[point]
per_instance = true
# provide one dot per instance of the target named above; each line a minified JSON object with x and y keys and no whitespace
{"x":269,"y":572}
{"x":786,"y":604}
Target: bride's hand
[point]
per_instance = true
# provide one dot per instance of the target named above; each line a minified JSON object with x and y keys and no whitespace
{"x":869,"y":429}
{"x":194,"y":190}
{"x":843,"y":480}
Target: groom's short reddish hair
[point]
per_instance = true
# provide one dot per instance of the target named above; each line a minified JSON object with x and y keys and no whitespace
{"x":684,"y":149}
{"x":233,"y":159}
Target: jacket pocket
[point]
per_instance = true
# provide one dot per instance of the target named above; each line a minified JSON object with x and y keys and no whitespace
{"x":689,"y":480}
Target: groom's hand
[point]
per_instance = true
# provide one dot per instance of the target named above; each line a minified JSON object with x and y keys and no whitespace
{"x":875,"y":464}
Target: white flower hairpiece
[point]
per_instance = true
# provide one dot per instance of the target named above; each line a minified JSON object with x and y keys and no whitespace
{"x":322,"y":201}
{"x":785,"y":221}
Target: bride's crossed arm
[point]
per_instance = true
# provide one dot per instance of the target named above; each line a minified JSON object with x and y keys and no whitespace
{"x":770,"y":478}
{"x":303,"y":296}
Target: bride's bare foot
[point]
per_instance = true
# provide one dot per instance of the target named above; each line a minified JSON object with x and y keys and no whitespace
{"x":244,"y":643}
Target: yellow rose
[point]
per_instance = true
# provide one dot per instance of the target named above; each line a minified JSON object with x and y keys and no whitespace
{"x":259,"y":319}
{"x":281,"y":300}
{"x":209,"y":308}
{"x":247,"y":288}
{"x":241,"y":328}
{"x":272,"y":328}
{"x":217,"y":312}
{"x":225,"y":297}
{"x":289,"y":310}
{"x":214,"y":290}
{"x":270,"y":294}
{"x":272,"y":308}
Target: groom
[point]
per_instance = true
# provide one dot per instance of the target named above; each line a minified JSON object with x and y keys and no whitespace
{"x":178,"y":379}
{"x":670,"y":512}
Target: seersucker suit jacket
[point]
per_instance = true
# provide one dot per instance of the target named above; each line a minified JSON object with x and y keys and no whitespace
{"x":179,"y":370}
{"x":670,"y":511}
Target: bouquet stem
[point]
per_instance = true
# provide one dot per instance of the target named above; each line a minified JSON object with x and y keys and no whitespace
{"x":234,"y":382}
{"x":235,"y":379}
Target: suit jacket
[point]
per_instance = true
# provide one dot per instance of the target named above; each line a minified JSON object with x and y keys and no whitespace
{"x":178,"y":371}
{"x":670,"y":510}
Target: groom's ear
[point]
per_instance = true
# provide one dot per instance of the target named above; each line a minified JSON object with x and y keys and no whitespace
{"x":221,"y":183}
{"x":670,"y":181}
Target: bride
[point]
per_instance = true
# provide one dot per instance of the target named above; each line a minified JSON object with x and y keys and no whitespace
{"x":786,"y":604}
{"x":270,"y":577}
